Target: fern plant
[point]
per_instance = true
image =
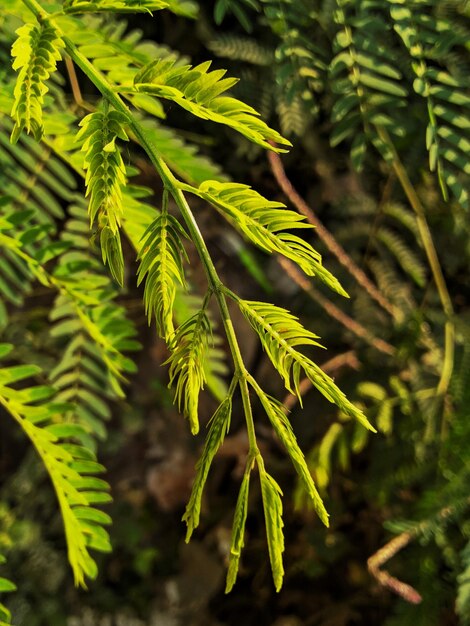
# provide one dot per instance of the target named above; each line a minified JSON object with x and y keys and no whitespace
{"x":384,"y":76}
{"x":63,"y":428}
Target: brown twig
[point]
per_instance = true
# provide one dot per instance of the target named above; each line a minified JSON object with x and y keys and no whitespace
{"x":333,"y":310}
{"x":405,"y":591}
{"x":394,"y":546}
{"x":75,"y":85}
{"x":333,"y":246}
{"x":348,"y":359}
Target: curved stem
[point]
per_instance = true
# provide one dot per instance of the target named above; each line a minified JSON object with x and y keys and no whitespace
{"x":173,"y":186}
{"x":433,"y":260}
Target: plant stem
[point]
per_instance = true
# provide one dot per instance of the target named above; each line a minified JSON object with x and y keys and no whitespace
{"x":326,"y":236}
{"x":174,"y":187}
{"x":433,"y":260}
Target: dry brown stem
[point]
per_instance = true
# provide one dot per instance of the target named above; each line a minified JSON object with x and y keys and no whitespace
{"x":333,"y":246}
{"x":382,"y":556}
{"x":333,"y":311}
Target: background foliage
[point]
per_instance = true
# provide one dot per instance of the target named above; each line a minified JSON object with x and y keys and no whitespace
{"x":374,"y":96}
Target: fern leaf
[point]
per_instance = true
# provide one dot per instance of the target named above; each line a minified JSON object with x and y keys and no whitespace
{"x":280,"y":333}
{"x":6,"y":586}
{"x":463,"y":593}
{"x":238,"y":532}
{"x":282,"y":427}
{"x":448,"y":102}
{"x":272,"y":504}
{"x":161,"y":264}
{"x":36,"y":52}
{"x":240,"y":49}
{"x":114,"y":6}
{"x":219,"y":427}
{"x":265,"y":223}
{"x":215,"y":365}
{"x":362,"y":75}
{"x":68,"y":465}
{"x":200,"y":92}
{"x":189,"y":348}
{"x":106,"y":175}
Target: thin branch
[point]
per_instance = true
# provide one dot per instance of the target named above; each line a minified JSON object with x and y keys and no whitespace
{"x":433,"y":260}
{"x":330,"y":242}
{"x":75,"y":85}
{"x":333,"y":311}
{"x":382,"y":556}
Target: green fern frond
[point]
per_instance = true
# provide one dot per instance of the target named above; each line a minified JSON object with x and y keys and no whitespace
{"x":238,"y":531}
{"x":69,"y":465}
{"x":448,"y":102}
{"x":114,"y":6}
{"x":6,"y":586}
{"x":463,"y":590}
{"x":301,"y":60}
{"x":293,"y":116}
{"x":240,"y":49}
{"x":219,"y":427}
{"x":265,"y":223}
{"x":200,"y":92}
{"x":280,"y":333}
{"x":161,"y":264}
{"x":15,"y":275}
{"x":283,"y":429}
{"x":33,"y":176}
{"x":189,"y":346}
{"x":272,"y":504}
{"x":86,"y":296}
{"x":105,"y":178}
{"x":404,"y":255}
{"x":215,"y":366}
{"x":36,"y":52}
{"x":82,"y":376}
{"x":368,"y":85}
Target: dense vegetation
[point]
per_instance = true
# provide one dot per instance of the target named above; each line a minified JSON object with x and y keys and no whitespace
{"x":152,"y":215}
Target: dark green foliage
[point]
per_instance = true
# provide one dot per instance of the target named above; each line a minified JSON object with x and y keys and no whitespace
{"x":377,"y":94}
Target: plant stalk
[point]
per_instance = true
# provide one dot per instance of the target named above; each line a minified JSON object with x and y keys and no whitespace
{"x":433,"y":260}
{"x":173,"y":186}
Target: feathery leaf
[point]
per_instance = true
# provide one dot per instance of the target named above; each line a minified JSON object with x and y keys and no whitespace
{"x":161,"y":264}
{"x":68,"y":466}
{"x":106,"y":175}
{"x":189,"y":346}
{"x":219,"y":427}
{"x":114,"y":6}
{"x":200,"y":92}
{"x":36,"y":52}
{"x":238,"y":531}
{"x":282,"y":426}
{"x":280,"y":333}
{"x":265,"y":223}
{"x":272,"y":504}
